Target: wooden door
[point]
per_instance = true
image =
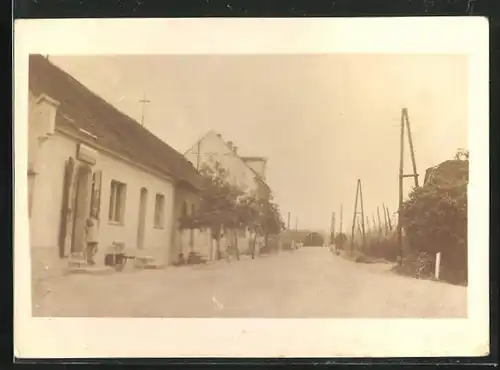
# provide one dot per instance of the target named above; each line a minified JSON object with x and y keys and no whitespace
{"x":95,"y":200}
{"x":82,"y":204}
{"x":141,"y":225}
{"x":66,"y":206}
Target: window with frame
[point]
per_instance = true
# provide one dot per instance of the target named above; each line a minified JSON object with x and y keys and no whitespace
{"x":159,"y":211}
{"x":117,"y":199}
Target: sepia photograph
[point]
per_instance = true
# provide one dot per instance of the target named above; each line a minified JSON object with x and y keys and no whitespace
{"x":256,"y":185}
{"x":248,"y":186}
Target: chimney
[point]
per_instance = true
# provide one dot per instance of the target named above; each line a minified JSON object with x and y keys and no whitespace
{"x":235,"y":149}
{"x":46,"y":110}
{"x":230,"y":145}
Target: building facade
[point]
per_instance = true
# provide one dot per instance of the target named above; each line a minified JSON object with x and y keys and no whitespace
{"x":247,"y":173}
{"x":87,"y":159}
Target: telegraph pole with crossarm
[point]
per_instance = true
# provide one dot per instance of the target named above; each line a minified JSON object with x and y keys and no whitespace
{"x":143,"y":101}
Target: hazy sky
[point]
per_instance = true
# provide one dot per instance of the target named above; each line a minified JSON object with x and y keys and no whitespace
{"x":322,"y":120}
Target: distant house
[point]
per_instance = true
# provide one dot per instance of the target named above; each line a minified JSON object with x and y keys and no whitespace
{"x":87,"y":158}
{"x":308,"y":237}
{"x":450,"y":171}
{"x":247,"y":173}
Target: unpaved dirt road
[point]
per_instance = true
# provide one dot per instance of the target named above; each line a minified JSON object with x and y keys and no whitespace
{"x":309,"y":282}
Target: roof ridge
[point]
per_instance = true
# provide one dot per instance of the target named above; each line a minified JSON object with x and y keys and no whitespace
{"x":240,"y":158}
{"x":113,"y":124}
{"x":199,"y":140}
{"x":253,"y":157}
{"x":87,"y":89}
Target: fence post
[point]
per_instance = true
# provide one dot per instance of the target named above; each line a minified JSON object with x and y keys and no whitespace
{"x":438,"y":265}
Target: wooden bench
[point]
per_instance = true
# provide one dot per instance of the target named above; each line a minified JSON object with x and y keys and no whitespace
{"x":116,"y":256}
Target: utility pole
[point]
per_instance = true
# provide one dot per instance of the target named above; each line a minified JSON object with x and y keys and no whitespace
{"x":333,"y":224}
{"x":412,"y":150}
{"x":386,"y":223}
{"x":288,"y":223}
{"x":354,"y":218}
{"x":359,"y":194}
{"x":388,"y":218}
{"x":341,"y":218}
{"x":379,"y":221}
{"x":362,"y":216}
{"x":405,"y":122}
{"x":198,"y":156}
{"x":296,"y":224}
{"x":374,"y":222}
{"x":144,"y":101}
{"x":332,"y":229}
{"x":401,"y":165}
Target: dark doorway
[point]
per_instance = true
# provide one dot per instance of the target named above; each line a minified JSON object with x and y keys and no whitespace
{"x":82,"y":206}
{"x":143,"y":203}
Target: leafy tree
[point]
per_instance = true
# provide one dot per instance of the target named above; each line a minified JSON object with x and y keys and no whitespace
{"x":462,"y":155}
{"x":248,"y":215}
{"x":218,"y":206}
{"x":225,"y":208}
{"x":270,"y":218}
{"x":435,"y":215}
{"x":261,"y":216}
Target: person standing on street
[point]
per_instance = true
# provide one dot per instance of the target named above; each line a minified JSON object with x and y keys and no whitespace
{"x":91,"y":239}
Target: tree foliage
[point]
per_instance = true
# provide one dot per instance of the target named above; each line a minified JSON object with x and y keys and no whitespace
{"x":435,"y":214}
{"x":224,"y":206}
{"x":269,"y":218}
{"x":218,"y":205}
{"x":462,"y":155}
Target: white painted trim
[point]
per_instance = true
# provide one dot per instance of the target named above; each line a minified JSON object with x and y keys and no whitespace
{"x":50,"y":100}
{"x":40,"y":101}
{"x":114,"y":154}
{"x":438,"y":265}
{"x":88,"y":133}
{"x":87,"y":154}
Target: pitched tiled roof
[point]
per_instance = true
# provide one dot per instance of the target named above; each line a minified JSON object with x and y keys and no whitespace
{"x":259,"y":178}
{"x":81,"y":109}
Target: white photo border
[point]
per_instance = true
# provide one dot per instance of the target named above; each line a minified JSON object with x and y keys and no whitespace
{"x":128,"y":337}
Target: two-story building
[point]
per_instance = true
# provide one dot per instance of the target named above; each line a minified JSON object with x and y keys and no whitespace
{"x":247,"y":173}
{"x":86,"y":158}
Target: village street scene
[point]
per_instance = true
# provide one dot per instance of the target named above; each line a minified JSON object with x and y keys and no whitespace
{"x":321,"y":186}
